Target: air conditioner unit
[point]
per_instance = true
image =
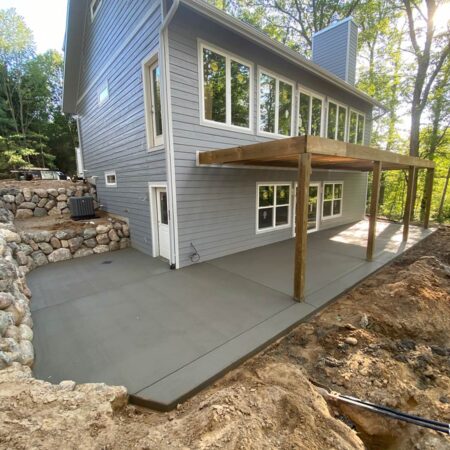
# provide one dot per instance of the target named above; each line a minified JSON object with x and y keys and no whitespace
{"x":82,"y":207}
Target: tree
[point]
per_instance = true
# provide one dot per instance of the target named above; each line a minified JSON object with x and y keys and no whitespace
{"x":33,"y":127}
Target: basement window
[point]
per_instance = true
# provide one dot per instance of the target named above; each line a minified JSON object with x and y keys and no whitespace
{"x":95,"y":6}
{"x":332,"y":200}
{"x":103,"y":93}
{"x":110,"y":178}
{"x":273,"y":206}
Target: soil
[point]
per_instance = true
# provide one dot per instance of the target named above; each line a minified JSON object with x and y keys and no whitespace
{"x":53,"y":223}
{"x":386,"y":341}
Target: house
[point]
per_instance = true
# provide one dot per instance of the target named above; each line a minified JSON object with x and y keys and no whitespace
{"x":155,"y":84}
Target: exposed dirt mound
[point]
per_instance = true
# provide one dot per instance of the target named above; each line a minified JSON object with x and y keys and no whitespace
{"x":387,"y":341}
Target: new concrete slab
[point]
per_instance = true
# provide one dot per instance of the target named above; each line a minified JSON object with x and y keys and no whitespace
{"x":125,"y":318}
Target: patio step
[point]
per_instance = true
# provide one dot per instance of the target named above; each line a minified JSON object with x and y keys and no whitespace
{"x":166,"y":393}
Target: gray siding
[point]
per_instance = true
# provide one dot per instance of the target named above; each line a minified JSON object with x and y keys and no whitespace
{"x":335,"y":49}
{"x":113,"y":135}
{"x":217,"y":206}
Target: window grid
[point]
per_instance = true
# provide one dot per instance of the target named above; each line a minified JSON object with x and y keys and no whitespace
{"x":229,"y":61}
{"x":334,"y":122}
{"x":276,"y":207}
{"x":332,"y":199}
{"x":311,"y":98}
{"x":278,"y":80}
{"x":358,"y":130}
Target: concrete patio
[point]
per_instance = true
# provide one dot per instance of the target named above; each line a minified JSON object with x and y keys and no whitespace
{"x":125,"y":318}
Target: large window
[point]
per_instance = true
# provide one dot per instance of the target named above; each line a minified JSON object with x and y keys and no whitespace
{"x":356,"y":128}
{"x":337,"y":121}
{"x":332,"y":199}
{"x":226,"y":89}
{"x":310,"y":114}
{"x":275,"y":105}
{"x":273,"y":206}
{"x":152,"y":96}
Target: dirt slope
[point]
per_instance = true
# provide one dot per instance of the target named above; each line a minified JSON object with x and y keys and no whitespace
{"x":387,"y":340}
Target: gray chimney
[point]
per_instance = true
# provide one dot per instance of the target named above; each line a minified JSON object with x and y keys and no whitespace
{"x":335,"y":48}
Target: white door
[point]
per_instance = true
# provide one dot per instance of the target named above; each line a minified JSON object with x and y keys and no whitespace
{"x":163,"y":223}
{"x":313,"y":207}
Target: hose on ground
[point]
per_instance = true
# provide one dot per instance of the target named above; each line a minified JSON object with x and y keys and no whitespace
{"x":435,"y":425}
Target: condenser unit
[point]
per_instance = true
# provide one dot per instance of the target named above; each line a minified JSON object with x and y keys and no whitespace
{"x":81,"y":207}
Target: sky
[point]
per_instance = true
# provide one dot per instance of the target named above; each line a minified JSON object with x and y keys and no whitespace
{"x":46,"y":18}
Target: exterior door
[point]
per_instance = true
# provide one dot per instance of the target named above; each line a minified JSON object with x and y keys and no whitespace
{"x":163,"y":223}
{"x":313,"y":207}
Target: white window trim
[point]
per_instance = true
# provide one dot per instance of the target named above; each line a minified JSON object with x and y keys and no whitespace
{"x":278,"y":78}
{"x":110,"y":173}
{"x":358,"y":113}
{"x":311,"y":93}
{"x":342,"y":105}
{"x":319,"y":206}
{"x":153,"y":142}
{"x":273,"y":227}
{"x":94,"y":13}
{"x":333,"y":216}
{"x":104,"y":85}
{"x":228,"y":57}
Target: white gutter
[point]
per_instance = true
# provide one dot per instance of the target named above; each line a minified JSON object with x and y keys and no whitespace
{"x":263,"y":40}
{"x":168,"y":132}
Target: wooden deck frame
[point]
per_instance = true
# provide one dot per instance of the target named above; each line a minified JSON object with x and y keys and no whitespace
{"x":308,"y":152}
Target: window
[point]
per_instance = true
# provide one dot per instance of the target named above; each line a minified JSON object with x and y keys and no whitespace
{"x":275,"y":105}
{"x":110,"y":178}
{"x":103,"y":93}
{"x":337,"y":121}
{"x":274,"y":205}
{"x":95,"y":6}
{"x":332,"y":200}
{"x":226,"y":89}
{"x":152,"y":99}
{"x":310,"y":114}
{"x":356,"y":128}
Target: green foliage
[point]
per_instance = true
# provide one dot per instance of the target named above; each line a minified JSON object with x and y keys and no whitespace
{"x":34,"y":131}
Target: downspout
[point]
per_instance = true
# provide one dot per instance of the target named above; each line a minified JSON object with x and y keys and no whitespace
{"x":167,"y":130}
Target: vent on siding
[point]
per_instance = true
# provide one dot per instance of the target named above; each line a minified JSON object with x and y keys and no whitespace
{"x":81,"y":207}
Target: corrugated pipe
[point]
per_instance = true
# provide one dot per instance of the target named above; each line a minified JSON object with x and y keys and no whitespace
{"x":435,"y":425}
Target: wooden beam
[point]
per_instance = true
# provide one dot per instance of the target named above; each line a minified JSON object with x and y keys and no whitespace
{"x":409,"y":202}
{"x":428,"y":196}
{"x":301,"y":226}
{"x":375,"y":197}
{"x":262,"y":150}
{"x":323,"y":146}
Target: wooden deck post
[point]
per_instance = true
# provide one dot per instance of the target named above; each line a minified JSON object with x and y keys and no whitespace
{"x":301,"y":226}
{"x":428,"y":196}
{"x":375,"y":198}
{"x":409,"y":202}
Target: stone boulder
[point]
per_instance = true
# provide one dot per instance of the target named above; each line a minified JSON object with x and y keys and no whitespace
{"x":89,"y":233}
{"x":55,"y":242}
{"x":19,"y":199}
{"x":27,"y":205}
{"x":102,"y":239}
{"x":45,"y":247}
{"x":50,"y":204}
{"x":40,"y":212}
{"x":101,"y":249}
{"x":75,"y":243}
{"x":103,"y":228}
{"x":9,"y":198}
{"x":42,"y":193}
{"x":6,"y":300}
{"x":62,"y":254}
{"x":10,"y":236}
{"x":83,"y":252}
{"x":91,"y":243}
{"x":65,"y":234}
{"x":39,"y":258}
{"x":23,"y":214}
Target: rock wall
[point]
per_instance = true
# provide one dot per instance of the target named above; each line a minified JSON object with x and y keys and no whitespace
{"x":22,"y":251}
{"x":28,"y":201}
{"x":37,"y":248}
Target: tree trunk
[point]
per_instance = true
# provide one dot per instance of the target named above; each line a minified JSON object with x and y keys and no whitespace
{"x":444,"y":193}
